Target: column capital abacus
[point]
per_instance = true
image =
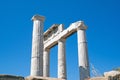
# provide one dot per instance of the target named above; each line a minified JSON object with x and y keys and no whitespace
{"x":47,"y":49}
{"x":80,"y":25}
{"x":38,"y":17}
{"x":62,"y":39}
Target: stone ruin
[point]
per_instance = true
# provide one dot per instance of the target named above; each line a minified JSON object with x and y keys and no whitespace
{"x":42,"y":42}
{"x":111,"y":75}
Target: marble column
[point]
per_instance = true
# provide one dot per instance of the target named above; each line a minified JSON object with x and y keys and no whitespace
{"x":61,"y":59}
{"x":83,"y":53}
{"x":37,"y":46}
{"x":46,"y":62}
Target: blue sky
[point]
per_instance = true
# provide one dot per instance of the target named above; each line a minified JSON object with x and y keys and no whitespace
{"x":101,"y":16}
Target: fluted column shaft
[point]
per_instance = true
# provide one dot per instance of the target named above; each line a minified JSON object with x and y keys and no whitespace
{"x":83,"y":53}
{"x":37,"y":46}
{"x":61,"y":59}
{"x":46,"y":62}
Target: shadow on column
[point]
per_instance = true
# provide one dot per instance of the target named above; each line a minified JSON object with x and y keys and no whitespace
{"x":84,"y":72}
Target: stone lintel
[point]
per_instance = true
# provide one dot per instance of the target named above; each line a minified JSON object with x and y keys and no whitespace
{"x":41,"y":78}
{"x":79,"y":25}
{"x":50,"y":29}
{"x":38,"y":17}
{"x":46,"y":49}
{"x":62,"y":39}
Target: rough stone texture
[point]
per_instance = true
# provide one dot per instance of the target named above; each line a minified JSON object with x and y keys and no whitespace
{"x":46,"y":63}
{"x":83,"y":53}
{"x":51,"y":32}
{"x":116,"y":77}
{"x":53,"y":40}
{"x":41,"y":78}
{"x":98,"y":78}
{"x":61,"y":59}
{"x":11,"y":77}
{"x":37,"y":46}
{"x":55,"y":34}
{"x":105,"y":78}
{"x":111,"y":73}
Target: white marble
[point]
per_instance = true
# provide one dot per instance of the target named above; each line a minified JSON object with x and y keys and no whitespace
{"x":37,"y":46}
{"x":83,"y":53}
{"x":62,"y":34}
{"x":59,"y":39}
{"x":46,"y":62}
{"x":40,"y":62}
{"x":61,"y":59}
{"x":111,"y":73}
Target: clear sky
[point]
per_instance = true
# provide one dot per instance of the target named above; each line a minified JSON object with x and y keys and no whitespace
{"x":103,"y":35}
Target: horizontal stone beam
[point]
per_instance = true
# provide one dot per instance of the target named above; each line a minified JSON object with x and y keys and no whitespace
{"x":64,"y":34}
{"x":41,"y":78}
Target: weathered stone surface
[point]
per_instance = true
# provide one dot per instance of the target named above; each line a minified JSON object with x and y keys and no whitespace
{"x":51,"y":32}
{"x":111,"y":73}
{"x":53,"y":40}
{"x":37,"y":46}
{"x":46,"y":63}
{"x":11,"y":77}
{"x":83,"y":53}
{"x":98,"y":78}
{"x":41,"y":78}
{"x":55,"y":35}
{"x":61,"y":59}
